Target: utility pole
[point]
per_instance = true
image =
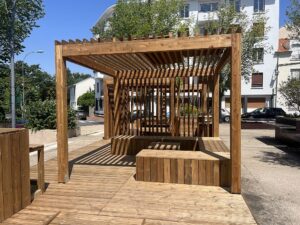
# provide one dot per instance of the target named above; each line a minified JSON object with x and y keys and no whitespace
{"x":12,"y":64}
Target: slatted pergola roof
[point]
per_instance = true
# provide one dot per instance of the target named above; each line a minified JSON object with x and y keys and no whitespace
{"x":153,"y":57}
{"x":165,"y":57}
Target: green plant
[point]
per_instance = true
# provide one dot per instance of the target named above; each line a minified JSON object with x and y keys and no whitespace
{"x":86,"y":100}
{"x":290,"y":91}
{"x":138,"y":18}
{"x":42,"y":115}
{"x":293,"y":14}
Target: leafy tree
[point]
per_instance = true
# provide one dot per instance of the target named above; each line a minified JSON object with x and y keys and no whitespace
{"x":87,"y":100}
{"x":38,"y":85}
{"x":74,"y":78}
{"x":290,"y":91}
{"x":253,"y":36}
{"x":138,"y":18}
{"x":42,"y":115}
{"x":18,"y":18}
{"x":293,"y":14}
{"x":253,"y":33}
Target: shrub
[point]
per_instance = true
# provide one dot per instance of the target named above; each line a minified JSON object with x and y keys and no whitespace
{"x":86,"y":100}
{"x":42,"y":115}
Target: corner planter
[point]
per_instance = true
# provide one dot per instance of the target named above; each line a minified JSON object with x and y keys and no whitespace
{"x":75,"y":132}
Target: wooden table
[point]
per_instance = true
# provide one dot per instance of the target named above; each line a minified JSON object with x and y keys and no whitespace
{"x":40,"y":165}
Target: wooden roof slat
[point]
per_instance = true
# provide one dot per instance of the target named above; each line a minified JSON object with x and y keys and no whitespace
{"x":89,"y":63}
{"x":146,"y":60}
{"x":144,"y":64}
{"x":108,"y":62}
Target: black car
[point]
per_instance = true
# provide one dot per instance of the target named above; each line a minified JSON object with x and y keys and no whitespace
{"x":264,"y":113}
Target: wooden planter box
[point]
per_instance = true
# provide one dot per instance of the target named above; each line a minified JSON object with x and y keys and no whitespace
{"x":14,"y":171}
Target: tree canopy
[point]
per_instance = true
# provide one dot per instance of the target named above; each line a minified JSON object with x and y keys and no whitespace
{"x":75,"y":77}
{"x":253,"y":36}
{"x":38,"y":85}
{"x":290,"y":91}
{"x":138,"y":18}
{"x":18,"y":18}
{"x":86,"y":100}
{"x":293,"y":14}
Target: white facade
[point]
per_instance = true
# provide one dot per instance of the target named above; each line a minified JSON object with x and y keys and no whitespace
{"x":79,"y":89}
{"x":200,"y":11}
{"x":288,"y":55}
{"x":99,"y":110}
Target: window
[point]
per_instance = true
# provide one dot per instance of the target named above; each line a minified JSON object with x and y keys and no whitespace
{"x":259,"y":5}
{"x":259,"y":29}
{"x":98,"y":87}
{"x":295,"y":55}
{"x":295,"y":74}
{"x":208,"y":7}
{"x":236,"y":4}
{"x":257,"y":80}
{"x":258,"y":55}
{"x":184,"y":12}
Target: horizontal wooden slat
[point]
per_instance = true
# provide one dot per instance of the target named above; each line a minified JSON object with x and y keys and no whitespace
{"x":155,"y":45}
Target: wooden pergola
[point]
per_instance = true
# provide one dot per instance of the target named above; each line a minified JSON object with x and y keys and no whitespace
{"x":153,"y":77}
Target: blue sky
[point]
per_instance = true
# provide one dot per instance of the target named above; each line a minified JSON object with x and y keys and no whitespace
{"x":72,"y":19}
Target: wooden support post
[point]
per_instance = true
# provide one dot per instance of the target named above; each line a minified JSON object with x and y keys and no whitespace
{"x":62,"y":116}
{"x":216,"y":96}
{"x":117,"y":106}
{"x":235,"y":114}
{"x":107,"y":117}
{"x":172,"y":106}
{"x":203,"y":107}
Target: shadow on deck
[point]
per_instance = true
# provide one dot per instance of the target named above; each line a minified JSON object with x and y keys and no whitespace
{"x":102,"y":190}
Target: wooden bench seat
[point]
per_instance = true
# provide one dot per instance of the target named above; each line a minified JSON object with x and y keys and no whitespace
{"x":183,"y":167}
{"x":164,"y":145}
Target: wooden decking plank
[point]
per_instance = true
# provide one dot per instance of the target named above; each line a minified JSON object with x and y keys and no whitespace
{"x":110,"y":195}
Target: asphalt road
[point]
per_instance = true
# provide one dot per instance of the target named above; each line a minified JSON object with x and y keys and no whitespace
{"x":270,"y":177}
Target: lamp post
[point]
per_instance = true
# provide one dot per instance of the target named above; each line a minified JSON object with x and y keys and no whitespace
{"x":23,"y":76}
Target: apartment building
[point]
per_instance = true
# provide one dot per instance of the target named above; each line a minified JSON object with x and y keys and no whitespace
{"x":259,"y":90}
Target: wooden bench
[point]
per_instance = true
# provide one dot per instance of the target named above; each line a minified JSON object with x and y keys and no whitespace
{"x":164,"y":146}
{"x":132,"y":145}
{"x":183,"y":167}
{"x":40,"y":165}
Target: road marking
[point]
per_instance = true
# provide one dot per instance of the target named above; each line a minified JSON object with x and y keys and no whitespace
{"x":96,"y":134}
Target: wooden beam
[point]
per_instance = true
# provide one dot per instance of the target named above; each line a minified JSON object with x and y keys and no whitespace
{"x":62,"y":116}
{"x":223,"y":61}
{"x":154,"y":45}
{"x":92,"y":64}
{"x":235,"y":114}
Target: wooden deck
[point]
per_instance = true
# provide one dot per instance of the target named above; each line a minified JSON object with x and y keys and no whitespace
{"x":102,"y":190}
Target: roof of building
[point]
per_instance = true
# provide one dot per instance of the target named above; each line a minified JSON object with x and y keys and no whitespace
{"x":283,"y":45}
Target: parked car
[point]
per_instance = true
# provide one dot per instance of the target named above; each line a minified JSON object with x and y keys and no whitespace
{"x":225,"y":115}
{"x":264,"y":113}
{"x":81,"y":114}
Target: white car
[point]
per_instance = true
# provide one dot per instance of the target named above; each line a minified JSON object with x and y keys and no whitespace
{"x":225,"y":115}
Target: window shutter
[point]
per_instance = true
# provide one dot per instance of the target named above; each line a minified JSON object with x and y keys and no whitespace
{"x":257,"y":80}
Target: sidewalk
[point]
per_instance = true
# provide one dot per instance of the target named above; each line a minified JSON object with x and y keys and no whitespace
{"x":89,"y":135}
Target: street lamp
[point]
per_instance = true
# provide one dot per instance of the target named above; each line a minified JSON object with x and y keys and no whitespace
{"x":23,"y":73}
